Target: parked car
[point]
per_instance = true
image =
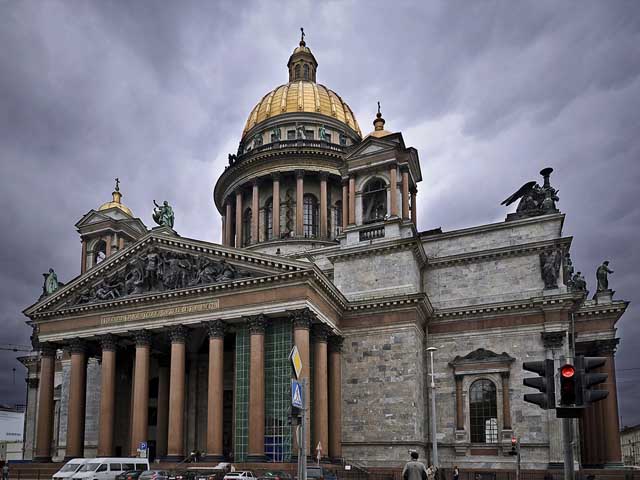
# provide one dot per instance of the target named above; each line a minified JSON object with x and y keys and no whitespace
{"x":320,"y":473}
{"x":275,"y":475}
{"x":129,"y":475}
{"x":106,"y":468}
{"x":182,"y":475}
{"x":242,"y":475}
{"x":69,"y":468}
{"x":206,"y":473}
{"x":154,"y":475}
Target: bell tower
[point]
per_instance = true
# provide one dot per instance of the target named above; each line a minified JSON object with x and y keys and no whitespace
{"x":107,"y":230}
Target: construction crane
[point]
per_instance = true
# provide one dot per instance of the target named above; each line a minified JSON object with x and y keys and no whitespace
{"x":15,"y":348}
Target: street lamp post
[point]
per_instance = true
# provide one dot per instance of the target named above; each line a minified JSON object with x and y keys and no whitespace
{"x":434,"y":441}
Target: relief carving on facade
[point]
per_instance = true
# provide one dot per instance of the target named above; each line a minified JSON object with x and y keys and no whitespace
{"x":157,"y":271}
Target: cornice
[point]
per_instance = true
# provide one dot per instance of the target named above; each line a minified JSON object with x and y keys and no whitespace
{"x":417,"y":299}
{"x":501,"y":252}
{"x":383,"y":247}
{"x":591,"y":309}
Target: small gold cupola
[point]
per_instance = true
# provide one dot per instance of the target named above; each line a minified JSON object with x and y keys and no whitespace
{"x":116,"y":201}
{"x":378,"y":126}
{"x":302,"y":64}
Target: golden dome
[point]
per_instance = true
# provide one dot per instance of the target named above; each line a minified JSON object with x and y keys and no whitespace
{"x":302,"y":96}
{"x":116,"y":201}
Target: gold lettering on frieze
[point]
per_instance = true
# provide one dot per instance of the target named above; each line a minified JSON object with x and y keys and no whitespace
{"x":162,"y":313}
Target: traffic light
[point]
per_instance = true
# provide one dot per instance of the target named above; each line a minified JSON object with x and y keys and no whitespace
{"x":567,"y":385}
{"x":544,"y":382}
{"x":584,"y":365}
{"x":514,"y":446}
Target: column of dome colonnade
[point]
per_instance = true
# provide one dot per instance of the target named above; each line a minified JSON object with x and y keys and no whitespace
{"x":44,"y":421}
{"x":215,"y":391}
{"x":175,"y":442}
{"x":77,"y":399}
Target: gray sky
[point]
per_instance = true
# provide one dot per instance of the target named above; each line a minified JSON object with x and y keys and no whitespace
{"x":157,"y":94}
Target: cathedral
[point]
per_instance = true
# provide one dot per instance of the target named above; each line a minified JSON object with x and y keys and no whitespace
{"x":183,"y":345}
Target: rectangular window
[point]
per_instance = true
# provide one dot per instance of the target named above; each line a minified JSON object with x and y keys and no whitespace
{"x":291,"y":134}
{"x":241,"y":436}
{"x":327,"y":137}
{"x":309,"y":134}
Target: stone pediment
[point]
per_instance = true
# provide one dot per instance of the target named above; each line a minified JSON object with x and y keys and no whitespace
{"x":482,"y":359}
{"x":95,"y":218}
{"x":374,"y":146}
{"x":161,"y":263}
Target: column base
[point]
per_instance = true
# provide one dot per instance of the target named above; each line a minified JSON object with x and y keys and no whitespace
{"x":41,"y":460}
{"x":257,"y":458}
{"x":212,"y":458}
{"x":173,"y":458}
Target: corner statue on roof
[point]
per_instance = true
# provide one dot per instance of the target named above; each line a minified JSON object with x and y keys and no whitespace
{"x":163,"y":214}
{"x":534,"y":199}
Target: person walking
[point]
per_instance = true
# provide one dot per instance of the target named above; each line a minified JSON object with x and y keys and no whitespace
{"x":5,"y":471}
{"x":456,"y":473}
{"x":413,"y":469}
{"x":431,"y":472}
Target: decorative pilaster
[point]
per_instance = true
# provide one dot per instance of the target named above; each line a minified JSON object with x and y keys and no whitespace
{"x":506,"y":401}
{"x":215,"y":392}
{"x":77,"y":396}
{"x":140,"y":415}
{"x":414,"y":207}
{"x":405,"y":192}
{"x":352,"y":200}
{"x":175,"y":443}
{"x":335,"y":397}
{"x":345,"y":204}
{"x":612,"y":450}
{"x":393,"y":189}
{"x":108,"y":344}
{"x":257,"y":326}
{"x":320,"y":388}
{"x":45,"y":403}
{"x":299,"y":203}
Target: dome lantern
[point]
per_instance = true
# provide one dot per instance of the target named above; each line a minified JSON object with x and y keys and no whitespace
{"x":302,"y":64}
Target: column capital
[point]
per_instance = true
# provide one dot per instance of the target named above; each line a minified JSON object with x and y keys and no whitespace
{"x":320,"y":333}
{"x":178,"y":334}
{"x":77,"y":345}
{"x":606,"y":347}
{"x":47,"y":349}
{"x":553,"y":339}
{"x":109,"y":342}
{"x":299,"y":174}
{"x":142,"y":338}
{"x":216,"y":328}
{"x":257,"y":324}
{"x":255,"y":182}
{"x":275,"y":176}
{"x":458,"y":377}
{"x":344,"y":182}
{"x":302,"y":318}
{"x":404,"y":168}
{"x":323,"y":176}
{"x":335,"y":343}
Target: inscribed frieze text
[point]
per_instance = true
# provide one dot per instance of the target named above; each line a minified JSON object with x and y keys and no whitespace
{"x":163,"y":313}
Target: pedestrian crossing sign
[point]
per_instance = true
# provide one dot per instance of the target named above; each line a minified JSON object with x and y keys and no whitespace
{"x":296,"y":394}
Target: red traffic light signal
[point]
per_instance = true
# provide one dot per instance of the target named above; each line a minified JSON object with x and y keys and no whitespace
{"x":567,"y":386}
{"x":567,"y":371}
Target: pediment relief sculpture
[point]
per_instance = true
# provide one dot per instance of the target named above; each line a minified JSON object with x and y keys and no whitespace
{"x":155,"y":270}
{"x":483,"y":355}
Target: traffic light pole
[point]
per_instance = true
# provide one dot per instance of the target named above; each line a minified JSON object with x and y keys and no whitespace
{"x":302,"y":438}
{"x":567,"y":439}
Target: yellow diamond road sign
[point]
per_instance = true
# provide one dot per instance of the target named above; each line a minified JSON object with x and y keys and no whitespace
{"x":296,"y":361}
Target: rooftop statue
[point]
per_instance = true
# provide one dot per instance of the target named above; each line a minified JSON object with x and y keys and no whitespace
{"x":534,"y":199}
{"x":51,"y":283}
{"x":550,"y":267}
{"x":602,"y":276}
{"x":163,"y":214}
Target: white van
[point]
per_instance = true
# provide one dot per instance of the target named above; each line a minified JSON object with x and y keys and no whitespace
{"x":69,"y":468}
{"x":107,"y":468}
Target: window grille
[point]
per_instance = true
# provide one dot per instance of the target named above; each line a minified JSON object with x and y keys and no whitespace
{"x":268,"y":219}
{"x":310,"y":216}
{"x":241,"y":390}
{"x":483,"y":412}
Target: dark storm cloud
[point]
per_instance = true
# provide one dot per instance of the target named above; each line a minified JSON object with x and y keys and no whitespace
{"x":157,"y":94}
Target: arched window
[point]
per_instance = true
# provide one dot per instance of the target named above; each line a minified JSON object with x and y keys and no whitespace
{"x":268,"y":219}
{"x":297,"y":72}
{"x":483,"y":412}
{"x":305,"y":69}
{"x":310,"y":216}
{"x":338,"y":225}
{"x":374,"y":200}
{"x":99,"y":252}
{"x":246,"y":227}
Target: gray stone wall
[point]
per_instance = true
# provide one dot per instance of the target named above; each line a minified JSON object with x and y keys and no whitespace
{"x":382,"y":394}
{"x":389,"y":273}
